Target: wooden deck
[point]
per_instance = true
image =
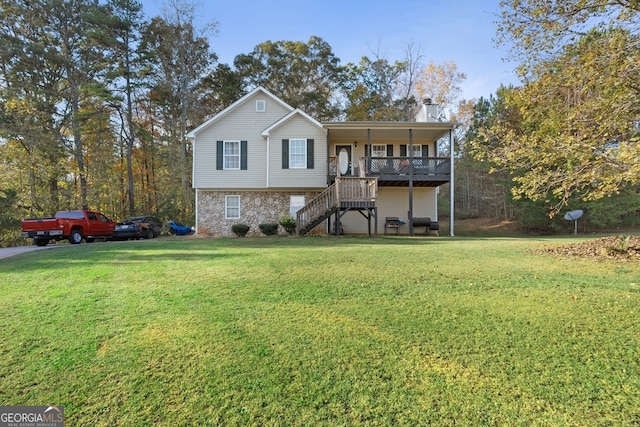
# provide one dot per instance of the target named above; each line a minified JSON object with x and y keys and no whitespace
{"x":399,"y":171}
{"x":346,"y":193}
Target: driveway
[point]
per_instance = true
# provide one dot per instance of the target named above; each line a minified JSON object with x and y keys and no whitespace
{"x":9,"y":252}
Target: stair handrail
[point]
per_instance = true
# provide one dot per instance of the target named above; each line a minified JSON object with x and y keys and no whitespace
{"x":323,"y":202}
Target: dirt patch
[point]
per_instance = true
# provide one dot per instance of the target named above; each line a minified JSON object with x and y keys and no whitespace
{"x":481,"y":227}
{"x":613,"y":247}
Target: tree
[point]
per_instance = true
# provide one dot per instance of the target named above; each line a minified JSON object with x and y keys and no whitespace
{"x":377,"y":89}
{"x":371,"y":90}
{"x":440,"y":83}
{"x":50,"y":64}
{"x":121,"y":38}
{"x":579,"y":133}
{"x":578,"y":129}
{"x":304,"y":75}
{"x":538,"y":30}
{"x":71,"y":26}
{"x":479,"y":192}
{"x":178,"y":61}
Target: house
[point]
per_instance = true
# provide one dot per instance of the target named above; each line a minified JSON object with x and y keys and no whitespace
{"x":260,"y":158}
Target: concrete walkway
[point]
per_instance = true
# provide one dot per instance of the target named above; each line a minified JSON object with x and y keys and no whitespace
{"x":9,"y":252}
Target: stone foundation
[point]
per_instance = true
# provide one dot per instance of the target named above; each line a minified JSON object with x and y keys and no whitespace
{"x":256,"y":207}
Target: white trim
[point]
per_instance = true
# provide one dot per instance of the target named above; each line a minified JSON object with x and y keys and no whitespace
{"x":306,"y":155}
{"x":197,"y":216}
{"x":268,"y":162}
{"x":224,"y":155}
{"x":261,"y":105}
{"x":235,"y":105}
{"x":291,"y":205}
{"x":239,"y":206}
{"x":379,"y":145}
{"x":286,"y":118}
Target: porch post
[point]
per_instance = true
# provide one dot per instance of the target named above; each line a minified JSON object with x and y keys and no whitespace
{"x":410,"y":219}
{"x":451,"y":186}
{"x":329,"y":157}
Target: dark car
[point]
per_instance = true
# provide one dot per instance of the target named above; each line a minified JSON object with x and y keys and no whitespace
{"x":179,"y":229}
{"x":138,"y":227}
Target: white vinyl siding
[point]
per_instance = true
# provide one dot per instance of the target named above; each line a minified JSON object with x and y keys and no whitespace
{"x":232,"y":207}
{"x":311,"y":179}
{"x":394,"y":201}
{"x":298,"y":153}
{"x":244,"y":123}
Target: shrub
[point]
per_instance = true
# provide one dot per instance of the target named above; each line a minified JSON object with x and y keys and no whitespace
{"x":269,"y":228}
{"x":240,"y":230}
{"x":288,"y":223}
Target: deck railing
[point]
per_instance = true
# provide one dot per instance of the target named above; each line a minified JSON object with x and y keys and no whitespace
{"x":346,"y":191}
{"x":376,"y":166}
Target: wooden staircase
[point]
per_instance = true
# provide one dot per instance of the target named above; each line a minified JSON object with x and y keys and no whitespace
{"x":347,"y":193}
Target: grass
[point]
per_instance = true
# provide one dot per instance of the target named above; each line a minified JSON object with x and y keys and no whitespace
{"x":321,"y":331}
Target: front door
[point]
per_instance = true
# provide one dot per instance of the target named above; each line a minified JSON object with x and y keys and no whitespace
{"x":344,"y":159}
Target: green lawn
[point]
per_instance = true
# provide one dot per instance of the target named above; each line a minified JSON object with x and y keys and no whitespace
{"x":321,"y":331}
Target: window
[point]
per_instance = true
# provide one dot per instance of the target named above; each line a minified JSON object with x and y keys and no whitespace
{"x":261,"y":106}
{"x":378,"y":150}
{"x":231,"y":207}
{"x":232,"y":155}
{"x":296,"y":203}
{"x":417,"y":151}
{"x":297,"y":153}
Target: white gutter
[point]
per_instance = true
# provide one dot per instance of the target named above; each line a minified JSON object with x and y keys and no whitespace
{"x":196,"y":211}
{"x":268,"y":149}
{"x":451,"y":186}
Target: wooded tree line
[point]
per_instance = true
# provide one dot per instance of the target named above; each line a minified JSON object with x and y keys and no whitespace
{"x":96,"y":100}
{"x":568,"y":137}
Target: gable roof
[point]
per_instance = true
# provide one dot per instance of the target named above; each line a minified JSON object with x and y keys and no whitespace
{"x":234,"y":106}
{"x":286,"y":118}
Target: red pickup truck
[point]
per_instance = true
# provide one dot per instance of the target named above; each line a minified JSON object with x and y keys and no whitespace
{"x":73,"y":225}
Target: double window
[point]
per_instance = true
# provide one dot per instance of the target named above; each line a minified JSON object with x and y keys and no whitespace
{"x":378,"y":150}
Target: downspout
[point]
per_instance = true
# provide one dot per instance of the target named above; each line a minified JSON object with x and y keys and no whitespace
{"x":410,"y":182}
{"x":196,"y":211}
{"x":451,"y":186}
{"x":268,"y":157}
{"x":193,"y":176}
{"x":329,"y":158}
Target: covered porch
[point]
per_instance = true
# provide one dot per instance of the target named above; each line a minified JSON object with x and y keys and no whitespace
{"x":398,"y":154}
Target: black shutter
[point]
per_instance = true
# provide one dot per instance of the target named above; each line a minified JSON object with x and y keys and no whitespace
{"x":425,"y":151}
{"x":243,"y":155}
{"x":219,"y":155}
{"x":367,"y":150}
{"x":285,"y":154}
{"x":389,"y":150}
{"x":309,"y":153}
{"x":403,"y":150}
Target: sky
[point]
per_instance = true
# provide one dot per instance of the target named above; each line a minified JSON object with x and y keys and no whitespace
{"x":461,"y":31}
